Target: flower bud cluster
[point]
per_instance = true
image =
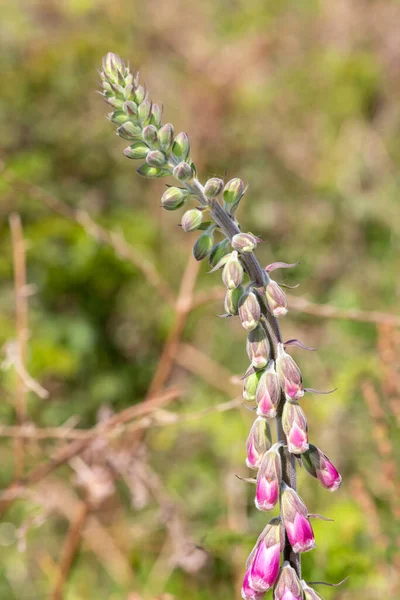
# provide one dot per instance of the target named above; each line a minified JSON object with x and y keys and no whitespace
{"x":273,"y":380}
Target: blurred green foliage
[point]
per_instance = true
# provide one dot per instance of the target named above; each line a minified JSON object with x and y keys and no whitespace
{"x":301,"y":100}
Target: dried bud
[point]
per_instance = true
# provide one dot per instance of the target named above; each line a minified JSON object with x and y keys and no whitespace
{"x":244,"y":242}
{"x":269,"y":480}
{"x":218,"y":252}
{"x":155,"y":158}
{"x":294,"y":425}
{"x":250,"y":385}
{"x":258,"y":443}
{"x":249,"y":593}
{"x":319,"y":466}
{"x":233,"y":191}
{"x":289,"y":374}
{"x":183,"y":171}
{"x":309,"y":593}
{"x":232,"y":298}
{"x":191,"y":220}
{"x":232,"y":274}
{"x":249,"y":311}
{"x":257,"y":347}
{"x":137,"y":150}
{"x":202,"y":246}
{"x":173,"y":198}
{"x":213,"y":187}
{"x":296,"y":521}
{"x":268,"y":393}
{"x":149,"y":135}
{"x":129,"y":131}
{"x":276,"y":299}
{"x":288,"y":585}
{"x":181,"y":147}
{"x":166,"y":136}
{"x":263,"y":562}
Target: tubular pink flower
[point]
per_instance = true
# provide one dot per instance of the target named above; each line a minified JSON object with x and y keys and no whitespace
{"x":296,"y":521}
{"x":276,"y":298}
{"x":249,"y":593}
{"x":294,"y":425}
{"x":319,"y":466}
{"x":288,"y":585}
{"x":268,"y":480}
{"x":263,"y":562}
{"x":289,"y":374}
{"x":258,"y":443}
{"x":268,"y":392}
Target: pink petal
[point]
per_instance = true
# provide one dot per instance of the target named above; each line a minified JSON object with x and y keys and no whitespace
{"x":265,"y":568}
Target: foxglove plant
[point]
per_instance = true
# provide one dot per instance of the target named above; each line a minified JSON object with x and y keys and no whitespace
{"x":273,"y":380}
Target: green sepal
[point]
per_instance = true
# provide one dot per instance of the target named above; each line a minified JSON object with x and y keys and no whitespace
{"x":146,"y":170}
{"x":119,"y":117}
{"x":219,"y":251}
{"x":137,"y":150}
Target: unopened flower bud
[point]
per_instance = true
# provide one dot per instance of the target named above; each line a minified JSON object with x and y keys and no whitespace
{"x":137,"y":150}
{"x":183,"y":171}
{"x":130,"y":108}
{"x":276,"y":299}
{"x":296,"y":521}
{"x":232,"y":298}
{"x":155,"y":158}
{"x":213,"y":187}
{"x":249,"y":311}
{"x":309,"y":593}
{"x":118,"y":117}
{"x":129,"y":131}
{"x":257,"y":347}
{"x":232,"y":274}
{"x":173,"y":198}
{"x":181,"y":146}
{"x":250,"y":384}
{"x":288,"y":585}
{"x":269,"y":480}
{"x":258,"y":443}
{"x":233,"y":191}
{"x":294,"y":425}
{"x":289,"y":374}
{"x":149,"y":135}
{"x":202,"y":246}
{"x":218,"y":252}
{"x":191,"y":220}
{"x":249,"y":593}
{"x":319,"y":466}
{"x":268,"y":392}
{"x":155,"y":115}
{"x":112,"y":63}
{"x":244,"y":242}
{"x":140,"y":94}
{"x":144,"y":111}
{"x":263,"y":562}
{"x":166,"y":136}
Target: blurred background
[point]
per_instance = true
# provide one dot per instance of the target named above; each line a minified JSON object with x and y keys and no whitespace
{"x":300,"y":100}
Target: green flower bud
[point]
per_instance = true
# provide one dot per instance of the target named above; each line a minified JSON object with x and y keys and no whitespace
{"x":203,"y":246}
{"x":129,"y":131}
{"x":249,"y":311}
{"x":140,"y":94}
{"x":112,"y":63}
{"x":244,"y":242}
{"x":183,"y":171}
{"x":232,"y":274}
{"x":258,"y":347}
{"x":144,"y":111}
{"x":250,"y":385}
{"x":191,"y":220}
{"x":130,"y":108}
{"x":137,"y":150}
{"x":114,"y":102}
{"x":166,"y":137}
{"x":119,"y":117}
{"x":146,"y":170}
{"x":213,"y":187}
{"x":232,"y":298}
{"x":156,"y":115}
{"x":181,"y":146}
{"x":155,"y":158}
{"x":219,"y":251}
{"x":173,"y":198}
{"x":149,"y":135}
{"x":233,"y":191}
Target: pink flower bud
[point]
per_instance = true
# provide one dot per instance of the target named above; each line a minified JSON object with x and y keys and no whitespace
{"x":294,"y":425}
{"x":319,"y":466}
{"x":258,"y":443}
{"x":289,"y":374}
{"x":248,"y":593}
{"x":263,"y":562}
{"x":257,"y":347}
{"x":309,"y":593}
{"x":244,"y":242}
{"x":276,"y":299}
{"x":288,"y":585}
{"x":296,"y":521}
{"x":249,"y":311}
{"x":268,"y":393}
{"x":269,"y":480}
